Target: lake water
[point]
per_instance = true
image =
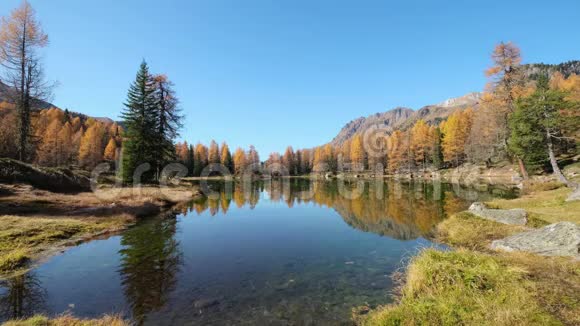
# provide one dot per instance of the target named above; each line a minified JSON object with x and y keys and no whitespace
{"x":289,"y":252}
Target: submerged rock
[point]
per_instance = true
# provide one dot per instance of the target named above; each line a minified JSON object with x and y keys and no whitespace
{"x":560,"y":239}
{"x":506,"y":216}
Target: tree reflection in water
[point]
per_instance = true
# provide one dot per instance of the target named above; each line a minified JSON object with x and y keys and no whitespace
{"x":403,"y":211}
{"x":150,"y":261}
{"x":21,"y":296}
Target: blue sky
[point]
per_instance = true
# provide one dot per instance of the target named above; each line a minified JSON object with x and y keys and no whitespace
{"x":279,"y":72}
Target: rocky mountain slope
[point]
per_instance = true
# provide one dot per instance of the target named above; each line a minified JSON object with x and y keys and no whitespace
{"x":402,"y":118}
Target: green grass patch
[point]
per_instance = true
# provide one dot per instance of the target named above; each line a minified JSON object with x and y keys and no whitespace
{"x":20,"y":236}
{"x":549,"y":206}
{"x":467,"y":230}
{"x":14,"y":259}
{"x":463,"y":288}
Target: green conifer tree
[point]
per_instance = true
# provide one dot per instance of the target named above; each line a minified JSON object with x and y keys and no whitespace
{"x":140,"y":120}
{"x":537,"y":125}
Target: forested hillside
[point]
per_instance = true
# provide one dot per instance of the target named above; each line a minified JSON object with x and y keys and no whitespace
{"x":527,"y":114}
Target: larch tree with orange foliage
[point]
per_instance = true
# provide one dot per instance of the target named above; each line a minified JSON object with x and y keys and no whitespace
{"x":421,"y":143}
{"x":507,"y":85}
{"x":47,"y":153}
{"x":111,"y":150}
{"x":455,"y":134}
{"x":200,"y":159}
{"x":21,"y":36}
{"x":398,"y":150}
{"x":226,"y":157}
{"x":240,"y":161}
{"x":330,"y":157}
{"x":319,"y":163}
{"x":91,"y":148}
{"x":357,"y":153}
{"x":8,"y":134}
{"x":289,"y":160}
{"x":344,"y":155}
{"x":66,"y":149}
{"x":214,"y":153}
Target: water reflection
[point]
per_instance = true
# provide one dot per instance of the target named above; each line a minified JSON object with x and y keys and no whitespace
{"x":282,"y":256}
{"x":150,"y":261}
{"x":403,"y":211}
{"x":21,"y":296}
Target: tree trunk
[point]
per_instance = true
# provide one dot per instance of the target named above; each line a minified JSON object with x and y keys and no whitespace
{"x":523,"y":170}
{"x":554,"y":163}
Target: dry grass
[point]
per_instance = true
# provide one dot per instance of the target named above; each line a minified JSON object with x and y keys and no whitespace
{"x":33,"y":220}
{"x":469,"y":231}
{"x":549,"y":206}
{"x":23,"y":237}
{"x":477,"y":286}
{"x":464,"y":288}
{"x":67,"y":320}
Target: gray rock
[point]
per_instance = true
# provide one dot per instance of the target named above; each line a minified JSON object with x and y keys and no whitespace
{"x":560,"y":239}
{"x":575,"y":195}
{"x":506,"y":216}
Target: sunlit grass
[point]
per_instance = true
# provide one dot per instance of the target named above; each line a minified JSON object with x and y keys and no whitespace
{"x":469,"y":231}
{"x":21,"y":237}
{"x":474,"y":285}
{"x":464,"y":288}
{"x":67,"y":320}
{"x":550,"y":206}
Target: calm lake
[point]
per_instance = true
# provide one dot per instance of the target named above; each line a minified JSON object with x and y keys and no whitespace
{"x":286,"y":252}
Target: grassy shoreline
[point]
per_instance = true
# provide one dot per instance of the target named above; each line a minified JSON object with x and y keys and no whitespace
{"x":474,"y":285}
{"x":67,"y":320}
{"x":38,"y":223}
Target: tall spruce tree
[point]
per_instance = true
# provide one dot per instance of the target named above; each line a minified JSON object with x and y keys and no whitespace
{"x":141,"y":121}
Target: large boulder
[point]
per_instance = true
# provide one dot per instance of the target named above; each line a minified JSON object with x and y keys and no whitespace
{"x":505,"y":216}
{"x":560,"y":239}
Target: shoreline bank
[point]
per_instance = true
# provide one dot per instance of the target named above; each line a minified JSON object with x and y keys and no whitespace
{"x":38,"y":224}
{"x":474,"y":284}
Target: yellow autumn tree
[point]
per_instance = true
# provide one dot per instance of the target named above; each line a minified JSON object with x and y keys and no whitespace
{"x":571,"y":85}
{"x":398,"y":150}
{"x":111,"y":150}
{"x":47,"y":153}
{"x":214,"y":153}
{"x":21,"y":37}
{"x":319,"y":164}
{"x":345,"y":150}
{"x":66,"y":149}
{"x":329,"y":157}
{"x":182,"y":151}
{"x":91,"y":147}
{"x":8,"y":134}
{"x":357,"y":153}
{"x":455,"y":134}
{"x":240,"y":161}
{"x":421,"y":143}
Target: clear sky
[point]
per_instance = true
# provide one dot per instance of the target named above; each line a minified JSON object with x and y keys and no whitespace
{"x":279,"y":72}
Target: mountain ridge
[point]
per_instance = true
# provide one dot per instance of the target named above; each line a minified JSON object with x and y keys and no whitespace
{"x":433,"y":114}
